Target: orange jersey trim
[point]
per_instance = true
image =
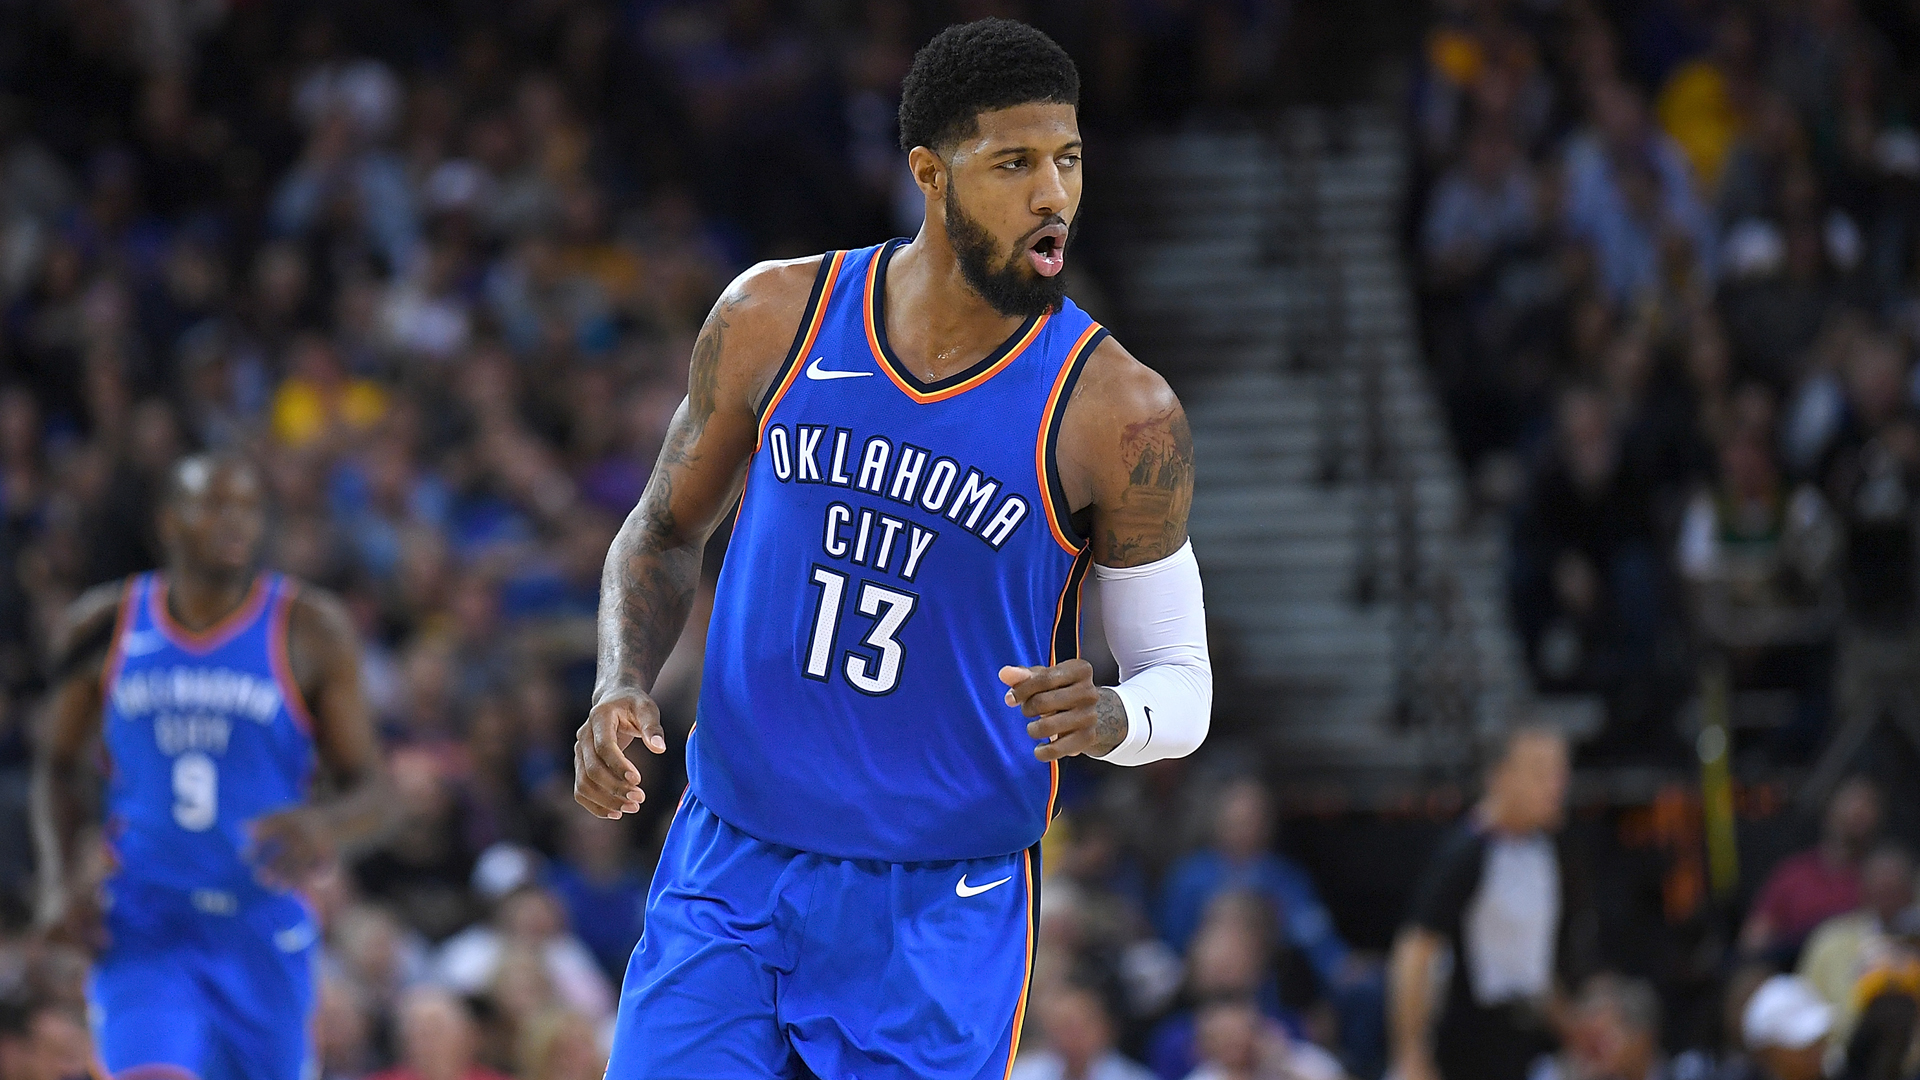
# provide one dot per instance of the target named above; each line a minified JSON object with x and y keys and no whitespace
{"x":279,"y":650}
{"x":803,"y":344}
{"x":1048,"y":435}
{"x":1026,"y":980}
{"x":205,"y":641}
{"x":116,"y":652}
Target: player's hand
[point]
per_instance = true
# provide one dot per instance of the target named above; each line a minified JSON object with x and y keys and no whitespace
{"x":604,"y":781}
{"x":79,"y":916}
{"x":1071,"y":715}
{"x":80,"y":922}
{"x":290,"y":848}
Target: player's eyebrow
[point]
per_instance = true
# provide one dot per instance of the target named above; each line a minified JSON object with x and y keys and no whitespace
{"x":1014,"y":151}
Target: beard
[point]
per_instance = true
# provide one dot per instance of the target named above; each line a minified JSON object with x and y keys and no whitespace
{"x":1009,"y":286}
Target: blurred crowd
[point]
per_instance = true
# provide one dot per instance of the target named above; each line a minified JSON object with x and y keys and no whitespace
{"x":438,"y":268}
{"x":1668,"y":255}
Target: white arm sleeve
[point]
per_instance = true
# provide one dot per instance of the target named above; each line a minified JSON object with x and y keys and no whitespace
{"x":1156,"y":624}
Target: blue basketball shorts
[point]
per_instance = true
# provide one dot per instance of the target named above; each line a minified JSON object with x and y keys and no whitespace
{"x":760,"y":961}
{"x":204,"y":985}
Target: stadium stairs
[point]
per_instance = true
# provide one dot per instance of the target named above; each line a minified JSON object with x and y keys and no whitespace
{"x":1359,"y":629}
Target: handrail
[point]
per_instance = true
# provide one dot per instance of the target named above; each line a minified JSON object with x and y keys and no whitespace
{"x":1438,"y":689}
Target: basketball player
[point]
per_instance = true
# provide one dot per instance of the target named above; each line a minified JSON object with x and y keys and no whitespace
{"x":215,"y":690}
{"x":935,"y":447}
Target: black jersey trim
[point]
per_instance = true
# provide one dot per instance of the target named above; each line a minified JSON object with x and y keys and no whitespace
{"x":1059,"y":513}
{"x":958,"y":382}
{"x":804,"y":334}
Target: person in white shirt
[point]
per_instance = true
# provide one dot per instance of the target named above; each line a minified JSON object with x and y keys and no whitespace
{"x":1238,"y":1043}
{"x":1078,"y":1034}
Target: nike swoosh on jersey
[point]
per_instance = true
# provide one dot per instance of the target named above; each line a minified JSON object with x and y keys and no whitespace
{"x":816,"y":372}
{"x":961,"y":888}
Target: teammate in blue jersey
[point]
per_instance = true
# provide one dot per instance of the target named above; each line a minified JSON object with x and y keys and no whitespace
{"x":217,"y":695}
{"x":931,"y":449}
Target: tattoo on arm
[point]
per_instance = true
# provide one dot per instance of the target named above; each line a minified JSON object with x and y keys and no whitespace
{"x":1109,"y":722}
{"x":1150,"y":520}
{"x":653,"y":565}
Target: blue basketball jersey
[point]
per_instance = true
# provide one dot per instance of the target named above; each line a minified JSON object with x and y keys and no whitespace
{"x":204,"y":733}
{"x":898,"y":541}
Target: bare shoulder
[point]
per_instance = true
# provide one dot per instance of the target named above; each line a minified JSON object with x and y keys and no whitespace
{"x":320,"y":629}
{"x":1117,"y":388}
{"x":747,"y":334}
{"x":1125,"y":437}
{"x":89,"y":619}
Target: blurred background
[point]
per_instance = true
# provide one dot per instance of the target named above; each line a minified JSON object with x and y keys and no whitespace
{"x":1549,"y":362}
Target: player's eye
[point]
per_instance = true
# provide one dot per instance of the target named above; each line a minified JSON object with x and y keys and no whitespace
{"x":1070,"y":161}
{"x":1013,"y":163}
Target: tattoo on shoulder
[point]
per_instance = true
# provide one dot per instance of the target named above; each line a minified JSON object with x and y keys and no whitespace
{"x":1151,"y":520}
{"x":703,"y":382}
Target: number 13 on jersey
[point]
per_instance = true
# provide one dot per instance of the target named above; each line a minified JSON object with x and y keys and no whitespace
{"x":873,"y":673}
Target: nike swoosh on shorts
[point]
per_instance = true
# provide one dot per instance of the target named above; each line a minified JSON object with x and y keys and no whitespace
{"x":961,"y":888}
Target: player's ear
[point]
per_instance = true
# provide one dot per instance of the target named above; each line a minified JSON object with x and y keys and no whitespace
{"x":929,"y":172}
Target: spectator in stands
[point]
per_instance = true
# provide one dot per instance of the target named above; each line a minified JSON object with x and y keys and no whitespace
{"x":41,"y":1040}
{"x":1703,"y":103}
{"x":1242,"y":859}
{"x":1631,"y":196}
{"x":526,"y":917}
{"x":1759,"y":557}
{"x":437,"y":1040}
{"x":1760,"y":565}
{"x":562,"y":1046}
{"x":1882,"y":1043}
{"x":1502,"y":896}
{"x":605,"y":898}
{"x":343,"y":1032}
{"x":1586,"y":576}
{"x":1232,"y":957}
{"x":1613,"y":1034}
{"x":424,"y":869}
{"x":1076,"y":1026}
{"x":1238,"y":1043}
{"x":1812,"y":886}
{"x":376,"y":958}
{"x":1870,"y":465}
{"x":1479,"y":208}
{"x":1727,"y":1058}
{"x":1786,"y":1027}
{"x":1845,"y":947}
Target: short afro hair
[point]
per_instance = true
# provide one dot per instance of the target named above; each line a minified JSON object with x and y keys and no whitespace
{"x":978,"y":67}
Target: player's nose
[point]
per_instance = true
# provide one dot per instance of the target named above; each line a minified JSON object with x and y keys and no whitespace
{"x":1049,"y":192}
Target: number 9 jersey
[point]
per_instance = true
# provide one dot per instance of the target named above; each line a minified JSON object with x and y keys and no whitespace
{"x":897,"y":543}
{"x":204,"y":732}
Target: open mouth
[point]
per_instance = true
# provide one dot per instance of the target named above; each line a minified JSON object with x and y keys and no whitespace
{"x":1048,"y":252}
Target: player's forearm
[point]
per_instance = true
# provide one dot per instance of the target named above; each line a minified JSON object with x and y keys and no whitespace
{"x":58,"y":819}
{"x":361,"y":815}
{"x":646,"y":593}
{"x":1410,"y":993}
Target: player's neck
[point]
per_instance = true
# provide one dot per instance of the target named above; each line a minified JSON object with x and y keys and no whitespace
{"x":198,"y":601}
{"x":936,"y":323}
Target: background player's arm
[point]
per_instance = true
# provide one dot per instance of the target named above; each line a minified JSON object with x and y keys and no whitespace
{"x":69,"y":868}
{"x":293,"y":845}
{"x":653,"y":565}
{"x":1126,"y":457}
